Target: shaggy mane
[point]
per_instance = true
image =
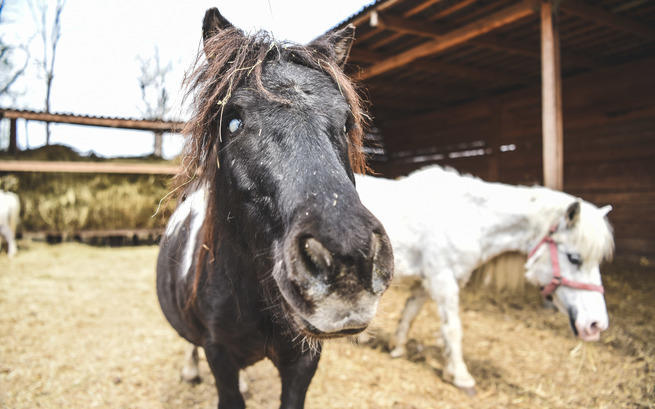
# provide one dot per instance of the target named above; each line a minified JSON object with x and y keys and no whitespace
{"x":233,"y":59}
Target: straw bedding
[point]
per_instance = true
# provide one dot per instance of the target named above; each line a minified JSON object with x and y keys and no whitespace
{"x":80,"y":327}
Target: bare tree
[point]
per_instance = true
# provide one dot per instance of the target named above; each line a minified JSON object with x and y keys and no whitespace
{"x":9,"y":71}
{"x":152,"y":82}
{"x":13,"y":62}
{"x":14,"y":59}
{"x":50,"y":35}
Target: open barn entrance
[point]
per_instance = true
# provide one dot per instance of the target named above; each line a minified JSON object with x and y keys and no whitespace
{"x":559,"y":93}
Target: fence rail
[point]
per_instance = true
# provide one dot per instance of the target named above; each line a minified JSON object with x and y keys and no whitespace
{"x":86,"y":167}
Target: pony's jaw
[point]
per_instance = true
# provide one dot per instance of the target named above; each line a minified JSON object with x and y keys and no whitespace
{"x":586,"y":309}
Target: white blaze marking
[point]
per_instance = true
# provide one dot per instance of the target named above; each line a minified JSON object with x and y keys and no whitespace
{"x":194,"y":206}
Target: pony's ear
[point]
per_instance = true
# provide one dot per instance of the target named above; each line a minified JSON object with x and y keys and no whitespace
{"x":212,"y":24}
{"x":605,"y":210}
{"x":336,"y":45}
{"x":572,"y":214}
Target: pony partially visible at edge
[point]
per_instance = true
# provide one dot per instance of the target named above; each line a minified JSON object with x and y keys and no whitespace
{"x":443,"y":226}
{"x":270,"y":250}
{"x":9,"y":217}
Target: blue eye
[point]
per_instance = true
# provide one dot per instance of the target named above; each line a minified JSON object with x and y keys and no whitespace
{"x":234,"y":125}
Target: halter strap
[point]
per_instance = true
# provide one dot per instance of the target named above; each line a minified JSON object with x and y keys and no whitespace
{"x":557,"y":279}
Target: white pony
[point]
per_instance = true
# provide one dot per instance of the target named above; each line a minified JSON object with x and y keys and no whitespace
{"x":443,"y":226}
{"x":9,"y":211}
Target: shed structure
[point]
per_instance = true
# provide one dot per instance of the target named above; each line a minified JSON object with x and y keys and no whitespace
{"x":559,"y":93}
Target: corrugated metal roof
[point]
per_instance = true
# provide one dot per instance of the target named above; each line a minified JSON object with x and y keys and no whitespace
{"x":94,"y":120}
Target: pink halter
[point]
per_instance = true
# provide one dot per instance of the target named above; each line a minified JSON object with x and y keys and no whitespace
{"x":557,"y":279}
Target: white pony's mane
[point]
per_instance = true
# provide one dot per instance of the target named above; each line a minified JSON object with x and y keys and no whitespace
{"x":591,"y":236}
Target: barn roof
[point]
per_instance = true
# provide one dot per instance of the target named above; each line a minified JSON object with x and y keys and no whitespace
{"x":417,"y":56}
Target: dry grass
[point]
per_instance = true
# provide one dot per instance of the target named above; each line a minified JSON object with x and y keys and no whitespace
{"x":80,"y":327}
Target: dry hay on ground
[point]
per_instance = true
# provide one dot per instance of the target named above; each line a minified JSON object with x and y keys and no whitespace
{"x":80,"y":327}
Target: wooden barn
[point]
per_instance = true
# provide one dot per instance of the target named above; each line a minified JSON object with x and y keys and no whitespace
{"x":560,"y":93}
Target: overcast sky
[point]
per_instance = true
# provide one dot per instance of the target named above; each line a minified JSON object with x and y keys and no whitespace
{"x":97,"y":62}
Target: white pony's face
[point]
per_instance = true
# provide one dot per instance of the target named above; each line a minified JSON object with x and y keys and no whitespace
{"x":577,"y":262}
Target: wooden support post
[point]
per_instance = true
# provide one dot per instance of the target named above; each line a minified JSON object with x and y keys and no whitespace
{"x":13,"y":147}
{"x":159,"y":143}
{"x":551,"y":100}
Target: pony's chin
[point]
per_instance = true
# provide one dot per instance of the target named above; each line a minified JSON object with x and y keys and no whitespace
{"x":590,"y":337}
{"x":309,"y":330}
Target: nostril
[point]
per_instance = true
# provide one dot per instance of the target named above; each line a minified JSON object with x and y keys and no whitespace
{"x":595,"y":327}
{"x":375,"y":247}
{"x":316,"y":256}
{"x":380,"y":260}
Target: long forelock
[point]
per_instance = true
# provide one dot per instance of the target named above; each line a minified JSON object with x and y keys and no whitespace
{"x":592,"y":235}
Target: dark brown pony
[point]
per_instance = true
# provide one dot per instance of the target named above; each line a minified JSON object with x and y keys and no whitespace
{"x":270,"y":246}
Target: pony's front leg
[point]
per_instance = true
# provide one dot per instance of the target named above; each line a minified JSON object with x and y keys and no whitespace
{"x":445,"y":292}
{"x":413,"y":306}
{"x":226,"y":375}
{"x":296,"y":372}
{"x":6,"y":232}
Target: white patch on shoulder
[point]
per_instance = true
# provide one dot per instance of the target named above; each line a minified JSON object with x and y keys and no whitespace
{"x":195,"y":207}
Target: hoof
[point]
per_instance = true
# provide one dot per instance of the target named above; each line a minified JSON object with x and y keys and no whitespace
{"x":190,"y":376}
{"x":243,"y":384}
{"x":469,"y":390}
{"x":192,"y":381}
{"x":363,"y":338}
{"x":397,"y":352}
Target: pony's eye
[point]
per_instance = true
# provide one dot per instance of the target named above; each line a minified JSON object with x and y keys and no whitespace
{"x":234,"y":125}
{"x":574,"y":259}
{"x":345,"y":129}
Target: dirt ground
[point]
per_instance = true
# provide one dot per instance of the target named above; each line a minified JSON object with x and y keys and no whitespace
{"x":80,"y":327}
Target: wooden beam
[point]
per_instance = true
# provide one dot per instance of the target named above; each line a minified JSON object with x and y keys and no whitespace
{"x":420,"y":7}
{"x":452,"y":9}
{"x":365,"y":17}
{"x":451,"y":39}
{"x":551,"y":101}
{"x":404,"y":26}
{"x":361,"y":38}
{"x":501,"y":44}
{"x":427,"y":29}
{"x":439,"y":67}
{"x":86,"y":167}
{"x":139,"y":124}
{"x":600,"y":16}
{"x":409,"y":13}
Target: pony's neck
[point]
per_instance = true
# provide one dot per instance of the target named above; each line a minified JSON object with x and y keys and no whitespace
{"x":514,"y":218}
